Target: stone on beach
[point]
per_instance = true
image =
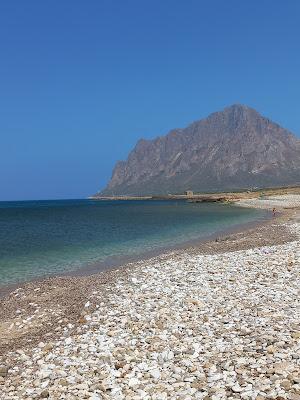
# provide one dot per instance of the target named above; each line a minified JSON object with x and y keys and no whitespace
{"x":3,"y":370}
{"x":181,"y":326}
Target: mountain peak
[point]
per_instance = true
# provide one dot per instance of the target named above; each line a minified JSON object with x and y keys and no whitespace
{"x":239,"y":110}
{"x":233,"y":148}
{"x":239,"y":106}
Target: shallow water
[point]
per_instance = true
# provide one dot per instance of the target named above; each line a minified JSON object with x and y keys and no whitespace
{"x":39,"y":238}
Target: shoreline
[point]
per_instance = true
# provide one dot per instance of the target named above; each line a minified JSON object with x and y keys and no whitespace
{"x":43,"y":319}
{"x":13,"y":297}
{"x":114,"y":262}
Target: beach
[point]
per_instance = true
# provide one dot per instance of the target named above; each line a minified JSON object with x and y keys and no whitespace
{"x":216,"y":321}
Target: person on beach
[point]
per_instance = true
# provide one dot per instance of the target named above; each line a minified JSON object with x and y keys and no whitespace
{"x":274,"y":211}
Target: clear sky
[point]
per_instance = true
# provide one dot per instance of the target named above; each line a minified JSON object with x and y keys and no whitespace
{"x":82,"y":81}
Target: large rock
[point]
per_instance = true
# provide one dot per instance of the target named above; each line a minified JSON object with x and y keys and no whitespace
{"x":3,"y":371}
{"x":234,"y":148}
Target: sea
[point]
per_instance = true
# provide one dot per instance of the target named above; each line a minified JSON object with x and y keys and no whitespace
{"x":44,"y":238}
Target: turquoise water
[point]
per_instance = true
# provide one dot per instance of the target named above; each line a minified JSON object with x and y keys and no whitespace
{"x":39,"y":238}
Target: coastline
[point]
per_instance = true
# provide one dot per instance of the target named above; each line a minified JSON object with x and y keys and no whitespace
{"x":242,"y":236}
{"x":115,"y":262}
{"x":55,"y":308}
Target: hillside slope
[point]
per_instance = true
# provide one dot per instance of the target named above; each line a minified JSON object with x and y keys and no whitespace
{"x":231,"y":149}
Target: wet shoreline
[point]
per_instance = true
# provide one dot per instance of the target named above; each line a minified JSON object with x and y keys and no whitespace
{"x":224,"y":312}
{"x":114,"y":262}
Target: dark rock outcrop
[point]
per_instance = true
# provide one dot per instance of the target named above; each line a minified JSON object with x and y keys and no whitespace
{"x":231,"y":149}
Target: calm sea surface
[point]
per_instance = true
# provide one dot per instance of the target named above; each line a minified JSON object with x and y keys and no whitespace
{"x":50,"y":237}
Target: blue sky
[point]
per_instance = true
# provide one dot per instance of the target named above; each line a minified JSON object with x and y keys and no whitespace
{"x":82,"y":81}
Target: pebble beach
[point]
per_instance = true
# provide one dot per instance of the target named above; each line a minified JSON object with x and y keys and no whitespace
{"x":217,"y":322}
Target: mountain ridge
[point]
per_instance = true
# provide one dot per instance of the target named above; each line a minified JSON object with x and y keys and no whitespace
{"x":230,"y":149}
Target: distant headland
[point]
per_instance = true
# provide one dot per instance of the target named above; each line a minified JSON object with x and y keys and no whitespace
{"x":230,"y":150}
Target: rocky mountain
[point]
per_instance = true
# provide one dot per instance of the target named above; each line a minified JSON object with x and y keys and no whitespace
{"x":231,"y":149}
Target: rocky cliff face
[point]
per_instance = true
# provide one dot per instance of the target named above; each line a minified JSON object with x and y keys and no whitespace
{"x":234,"y":148}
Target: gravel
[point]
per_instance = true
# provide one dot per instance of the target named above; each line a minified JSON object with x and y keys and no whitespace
{"x":280,"y":201}
{"x":185,"y":326}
